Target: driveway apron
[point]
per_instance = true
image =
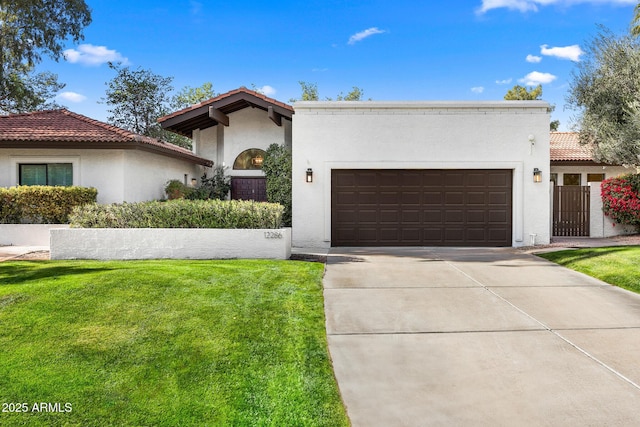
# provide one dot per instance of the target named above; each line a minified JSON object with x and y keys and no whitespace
{"x":479,"y":337}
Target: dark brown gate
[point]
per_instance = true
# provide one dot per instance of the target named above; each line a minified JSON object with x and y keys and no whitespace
{"x":249,"y":189}
{"x":571,"y":211}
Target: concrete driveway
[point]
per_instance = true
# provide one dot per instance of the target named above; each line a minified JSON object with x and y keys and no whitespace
{"x":495,"y":337}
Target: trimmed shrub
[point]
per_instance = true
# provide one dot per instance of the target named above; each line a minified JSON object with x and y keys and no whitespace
{"x":40,"y":204}
{"x":180,"y":214}
{"x":621,"y":199}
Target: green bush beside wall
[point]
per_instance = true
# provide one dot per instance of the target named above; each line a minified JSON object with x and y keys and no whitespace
{"x":42,"y":204}
{"x":180,"y":214}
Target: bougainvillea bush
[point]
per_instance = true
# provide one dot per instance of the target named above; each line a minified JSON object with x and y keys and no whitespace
{"x":621,"y":199}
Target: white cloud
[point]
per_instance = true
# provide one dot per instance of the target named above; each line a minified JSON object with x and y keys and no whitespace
{"x":477,"y":89}
{"x":572,"y":52}
{"x":504,"y":82}
{"x":533,"y":5}
{"x":71,"y":97}
{"x":536,"y":78}
{"x":534,"y":59}
{"x":364,"y":34}
{"x":88,"y":54}
{"x":267,"y":90}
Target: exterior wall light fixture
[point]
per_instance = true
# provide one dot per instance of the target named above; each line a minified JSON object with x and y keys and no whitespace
{"x":194,"y":182}
{"x":309,"y":175}
{"x":537,"y":175}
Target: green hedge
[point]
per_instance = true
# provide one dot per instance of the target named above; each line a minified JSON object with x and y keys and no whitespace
{"x":180,"y":214}
{"x":42,"y":204}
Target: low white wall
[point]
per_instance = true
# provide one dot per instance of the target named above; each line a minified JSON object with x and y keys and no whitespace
{"x":600,"y":224}
{"x":27,"y":234}
{"x":173,"y":243}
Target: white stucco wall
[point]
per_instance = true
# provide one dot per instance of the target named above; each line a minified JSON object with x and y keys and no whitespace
{"x":601,"y":225}
{"x":609,"y":171}
{"x":119,"y":175}
{"x":174,"y":243}
{"x":419,"y":135}
{"x":248,"y":128}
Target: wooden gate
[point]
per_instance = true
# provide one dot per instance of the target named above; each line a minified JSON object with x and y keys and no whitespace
{"x":571,"y":211}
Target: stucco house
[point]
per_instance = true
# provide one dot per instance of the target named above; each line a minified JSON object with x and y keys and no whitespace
{"x":59,"y":147}
{"x":421,"y":173}
{"x":234,"y":130}
{"x":364,"y":173}
{"x":573,"y":163}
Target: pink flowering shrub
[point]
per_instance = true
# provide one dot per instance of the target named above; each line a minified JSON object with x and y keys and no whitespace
{"x":621,"y":199}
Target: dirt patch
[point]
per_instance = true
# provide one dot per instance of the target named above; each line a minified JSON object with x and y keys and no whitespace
{"x":32,"y":256}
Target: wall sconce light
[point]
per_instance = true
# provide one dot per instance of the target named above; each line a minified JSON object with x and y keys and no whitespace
{"x":537,"y":175}
{"x":194,"y":182}
{"x":309,"y":175}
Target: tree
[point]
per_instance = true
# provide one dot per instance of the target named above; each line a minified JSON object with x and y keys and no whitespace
{"x":137,"y":99}
{"x":523,"y":94}
{"x":30,"y":29}
{"x":635,"y":23}
{"x":277,"y":171}
{"x":606,"y":90}
{"x":310,"y":93}
{"x":355,"y":95}
{"x":189,"y":96}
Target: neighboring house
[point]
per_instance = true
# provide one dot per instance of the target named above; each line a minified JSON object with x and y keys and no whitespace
{"x":573,"y":164}
{"x":421,"y":173}
{"x":58,"y":147}
{"x":234,"y":130}
{"x":576,"y":204}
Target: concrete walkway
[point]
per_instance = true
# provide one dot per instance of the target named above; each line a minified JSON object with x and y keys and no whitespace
{"x":479,"y":337}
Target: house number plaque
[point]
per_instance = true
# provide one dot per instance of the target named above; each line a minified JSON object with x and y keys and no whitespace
{"x":272,"y":235}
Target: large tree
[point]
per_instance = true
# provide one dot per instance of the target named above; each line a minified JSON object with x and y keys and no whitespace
{"x":523,"y":93}
{"x":137,"y":98}
{"x":635,"y":23}
{"x":606,"y":90}
{"x":30,"y":29}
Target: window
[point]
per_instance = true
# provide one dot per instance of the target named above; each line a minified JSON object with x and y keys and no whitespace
{"x":571,"y":179}
{"x":250,"y":159}
{"x":46,"y":174}
{"x":595,"y":177}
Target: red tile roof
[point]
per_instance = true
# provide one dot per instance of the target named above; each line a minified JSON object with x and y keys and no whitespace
{"x":565,"y":146}
{"x":59,"y":128}
{"x":227,"y":95}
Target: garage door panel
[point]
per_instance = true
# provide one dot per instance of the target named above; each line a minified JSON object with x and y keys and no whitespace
{"x":421,"y":207}
{"x":454,"y":197}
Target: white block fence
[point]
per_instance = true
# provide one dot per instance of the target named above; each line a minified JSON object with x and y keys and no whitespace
{"x":170,"y":243}
{"x":27,"y":234}
{"x":601,"y":225}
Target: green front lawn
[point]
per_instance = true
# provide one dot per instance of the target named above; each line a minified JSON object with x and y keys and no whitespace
{"x":165,"y":343}
{"x":617,"y":265}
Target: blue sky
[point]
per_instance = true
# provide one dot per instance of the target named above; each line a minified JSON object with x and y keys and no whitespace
{"x":393,"y":50}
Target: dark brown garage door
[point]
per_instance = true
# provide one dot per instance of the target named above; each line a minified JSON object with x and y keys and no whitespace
{"x":421,"y":207}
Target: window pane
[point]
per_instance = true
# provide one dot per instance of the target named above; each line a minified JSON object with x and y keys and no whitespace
{"x":595,"y":177}
{"x":571,"y":179}
{"x":250,"y":159}
{"x":33,"y":174}
{"x":60,"y":174}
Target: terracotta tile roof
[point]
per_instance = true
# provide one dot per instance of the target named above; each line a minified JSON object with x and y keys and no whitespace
{"x":61,"y":127}
{"x":565,"y":147}
{"x":224,"y":96}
